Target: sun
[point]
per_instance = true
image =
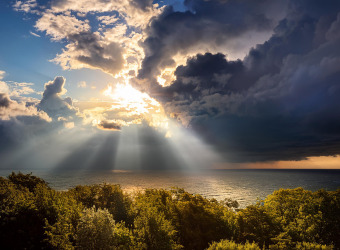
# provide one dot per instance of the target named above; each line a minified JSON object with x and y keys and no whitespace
{"x":131,"y":102}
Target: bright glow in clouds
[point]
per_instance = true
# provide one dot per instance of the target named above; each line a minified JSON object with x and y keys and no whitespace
{"x":129,"y":102}
{"x":167,"y":77}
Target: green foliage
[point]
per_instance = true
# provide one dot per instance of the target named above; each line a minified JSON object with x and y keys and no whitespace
{"x":300,"y":246}
{"x":230,"y":203}
{"x":18,"y":217}
{"x":41,"y":218}
{"x":312,"y":246}
{"x":61,"y":214}
{"x":34,"y":216}
{"x":98,"y":230}
{"x":197,"y":220}
{"x":306,"y":216}
{"x":153,"y":231}
{"x":26,"y":180}
{"x":231,"y":245}
{"x":201,"y":221}
{"x":106,"y":196}
{"x":256,"y":224}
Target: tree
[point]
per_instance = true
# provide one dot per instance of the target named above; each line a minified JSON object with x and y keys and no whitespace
{"x":98,"y":230}
{"x":110,"y":197}
{"x":153,"y":231}
{"x":26,"y":180}
{"x":256,"y":224}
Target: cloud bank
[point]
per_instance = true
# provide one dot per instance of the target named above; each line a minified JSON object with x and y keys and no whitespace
{"x":279,"y":102}
{"x":259,"y":81}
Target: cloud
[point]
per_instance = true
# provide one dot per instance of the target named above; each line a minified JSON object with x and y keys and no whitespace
{"x":82,"y":84}
{"x":18,"y":91}
{"x":136,"y":13}
{"x":279,"y":103}
{"x":53,"y":104}
{"x":25,"y":6}
{"x":108,"y":20}
{"x":11,"y":109}
{"x":209,"y":26}
{"x":142,"y":4}
{"x":85,"y":48}
{"x":24,"y":119}
{"x":87,"y":51}
{"x":3,"y":87}
{"x":19,"y":121}
{"x":34,"y":34}
{"x":110,"y":125}
{"x":60,"y":26}
{"x":112,"y":46}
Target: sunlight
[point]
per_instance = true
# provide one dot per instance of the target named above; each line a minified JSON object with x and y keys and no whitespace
{"x":167,"y":77}
{"x":130,"y":102}
{"x":191,"y":152}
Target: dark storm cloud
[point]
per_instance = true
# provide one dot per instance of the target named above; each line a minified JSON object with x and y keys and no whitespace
{"x":208,"y":22}
{"x":280,"y":103}
{"x":206,"y":74}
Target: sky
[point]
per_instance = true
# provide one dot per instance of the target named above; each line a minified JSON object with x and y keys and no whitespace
{"x":169,"y":85}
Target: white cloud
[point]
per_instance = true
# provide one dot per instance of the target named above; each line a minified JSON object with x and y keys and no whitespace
{"x":4,"y":87}
{"x":133,"y":14}
{"x":18,"y":89}
{"x":11,"y":109}
{"x":2,"y":74}
{"x":53,"y":104}
{"x":82,"y":84}
{"x":34,"y":34}
{"x":25,"y":6}
{"x":60,"y":26}
{"x":107,"y":20}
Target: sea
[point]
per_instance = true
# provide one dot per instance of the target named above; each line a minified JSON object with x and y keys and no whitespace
{"x":247,"y":186}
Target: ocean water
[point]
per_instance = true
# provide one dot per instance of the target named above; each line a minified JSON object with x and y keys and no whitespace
{"x":245,"y":186}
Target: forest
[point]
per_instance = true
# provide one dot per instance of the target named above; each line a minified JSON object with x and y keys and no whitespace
{"x":103,"y":216}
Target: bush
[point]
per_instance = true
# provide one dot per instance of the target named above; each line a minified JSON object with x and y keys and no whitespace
{"x":231,"y":245}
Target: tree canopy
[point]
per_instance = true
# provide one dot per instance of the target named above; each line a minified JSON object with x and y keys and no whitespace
{"x":103,"y":216}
